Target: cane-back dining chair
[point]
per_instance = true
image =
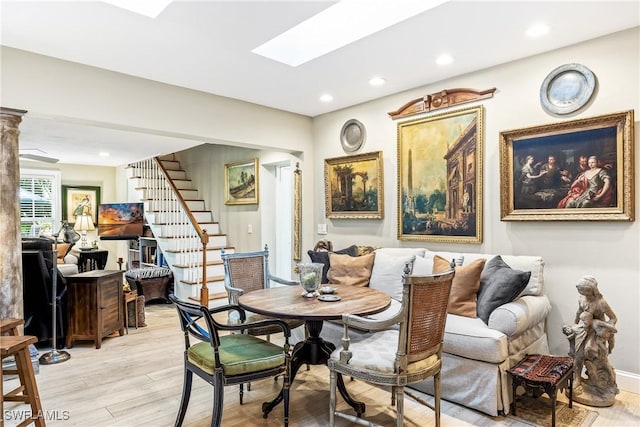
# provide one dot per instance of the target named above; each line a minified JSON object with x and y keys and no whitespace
{"x":222,"y":357}
{"x":397,"y":357}
{"x":249,"y":271}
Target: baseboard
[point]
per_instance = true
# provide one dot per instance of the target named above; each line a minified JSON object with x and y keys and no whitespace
{"x":628,"y":381}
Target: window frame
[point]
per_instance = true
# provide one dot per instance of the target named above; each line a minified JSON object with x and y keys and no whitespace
{"x":55,"y":177}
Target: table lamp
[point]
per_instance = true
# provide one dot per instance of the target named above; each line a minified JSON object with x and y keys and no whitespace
{"x":83,"y":224}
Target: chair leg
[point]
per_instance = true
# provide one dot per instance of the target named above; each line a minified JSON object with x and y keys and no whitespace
{"x":218,"y":400}
{"x":186,"y":394}
{"x":242,"y":392}
{"x":436,"y":397}
{"x":399,"y":394}
{"x":393,"y":395}
{"x":333,"y":379}
{"x":285,"y":388}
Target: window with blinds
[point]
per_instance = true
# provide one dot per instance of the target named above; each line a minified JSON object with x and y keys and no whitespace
{"x":39,"y":201}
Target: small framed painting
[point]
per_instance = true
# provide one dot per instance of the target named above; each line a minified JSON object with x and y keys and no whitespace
{"x":80,"y":200}
{"x":241,"y":183}
{"x":579,"y":170}
{"x":354,"y":186}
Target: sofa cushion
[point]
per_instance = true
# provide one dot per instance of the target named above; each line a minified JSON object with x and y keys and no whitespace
{"x":473,"y":339}
{"x":499,"y":284}
{"x":422,"y":266}
{"x":63,"y":250}
{"x":465,"y":285}
{"x":348,"y":270}
{"x":323,"y":258}
{"x":402,"y":251}
{"x":387,"y":272}
{"x":534,"y":264}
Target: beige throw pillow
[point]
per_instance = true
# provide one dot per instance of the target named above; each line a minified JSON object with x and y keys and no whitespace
{"x":348,"y":270}
{"x":466,"y":283}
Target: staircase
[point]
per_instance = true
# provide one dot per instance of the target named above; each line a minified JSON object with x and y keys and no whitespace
{"x":185,"y":231}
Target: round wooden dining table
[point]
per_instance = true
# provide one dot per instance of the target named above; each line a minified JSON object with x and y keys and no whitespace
{"x":288,"y":302}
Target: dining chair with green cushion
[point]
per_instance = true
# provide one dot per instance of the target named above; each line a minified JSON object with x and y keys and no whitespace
{"x":225,"y":356}
{"x":397,"y":357}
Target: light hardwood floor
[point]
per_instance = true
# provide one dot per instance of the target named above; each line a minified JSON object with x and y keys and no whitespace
{"x":136,"y":380}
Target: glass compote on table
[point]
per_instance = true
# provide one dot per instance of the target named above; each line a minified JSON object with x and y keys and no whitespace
{"x":310,"y":274}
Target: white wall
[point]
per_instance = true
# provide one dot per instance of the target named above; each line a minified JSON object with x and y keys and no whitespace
{"x":205,"y":167}
{"x":607,"y":250}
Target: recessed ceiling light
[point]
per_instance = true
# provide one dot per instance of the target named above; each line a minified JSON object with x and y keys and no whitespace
{"x":377,"y":81}
{"x":338,"y":25}
{"x":148,"y":8}
{"x":537,"y":30}
{"x":444,"y":59}
{"x":326,"y":98}
{"x":104,"y":154}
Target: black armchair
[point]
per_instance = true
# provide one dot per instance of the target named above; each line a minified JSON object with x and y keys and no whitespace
{"x":37,"y":284}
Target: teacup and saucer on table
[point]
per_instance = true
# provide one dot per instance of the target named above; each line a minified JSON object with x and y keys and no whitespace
{"x":327,"y":293}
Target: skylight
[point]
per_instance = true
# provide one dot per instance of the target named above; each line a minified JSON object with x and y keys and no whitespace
{"x":149,"y":8}
{"x":339,"y":25}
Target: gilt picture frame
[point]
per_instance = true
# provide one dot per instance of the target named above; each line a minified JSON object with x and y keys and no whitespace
{"x":241,"y":183}
{"x":78,"y":200}
{"x":354,"y":186}
{"x":440,"y":177}
{"x":578,"y":170}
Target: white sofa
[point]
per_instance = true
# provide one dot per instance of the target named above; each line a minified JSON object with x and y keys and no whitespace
{"x":476,"y":356}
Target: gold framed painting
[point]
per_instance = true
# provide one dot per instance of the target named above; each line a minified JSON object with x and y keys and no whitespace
{"x":440,"y":177}
{"x":354,"y":186}
{"x":80,"y":200}
{"x":241,"y":183}
{"x":578,"y":170}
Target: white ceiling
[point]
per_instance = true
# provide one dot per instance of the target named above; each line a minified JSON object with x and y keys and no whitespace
{"x":206,"y":46}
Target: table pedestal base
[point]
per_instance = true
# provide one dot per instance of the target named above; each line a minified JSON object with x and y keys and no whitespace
{"x":313,"y":351}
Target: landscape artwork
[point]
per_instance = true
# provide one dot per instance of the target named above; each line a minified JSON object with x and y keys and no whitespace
{"x":241,"y":183}
{"x":120,"y":219}
{"x":440,"y":177}
{"x":354,"y":186}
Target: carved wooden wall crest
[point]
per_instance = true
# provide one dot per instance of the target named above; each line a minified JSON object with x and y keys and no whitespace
{"x":443,"y":99}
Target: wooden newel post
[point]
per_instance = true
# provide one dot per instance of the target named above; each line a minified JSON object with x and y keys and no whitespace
{"x":204,"y":291}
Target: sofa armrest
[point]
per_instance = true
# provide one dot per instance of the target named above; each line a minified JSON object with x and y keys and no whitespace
{"x":517,"y":316}
{"x":70,"y":259}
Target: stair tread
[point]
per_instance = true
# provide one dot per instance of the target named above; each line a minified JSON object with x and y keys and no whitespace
{"x":197,"y":264}
{"x":212,"y":297}
{"x":210,"y":279}
{"x":209,"y":249}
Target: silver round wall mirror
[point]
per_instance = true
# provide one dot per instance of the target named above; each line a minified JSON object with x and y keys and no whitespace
{"x":352,"y":135}
{"x":567,"y":89}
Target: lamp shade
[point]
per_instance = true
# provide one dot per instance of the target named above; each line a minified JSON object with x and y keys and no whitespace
{"x":84,"y":223}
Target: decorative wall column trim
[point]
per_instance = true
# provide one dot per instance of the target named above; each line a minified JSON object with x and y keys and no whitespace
{"x":11,"y":298}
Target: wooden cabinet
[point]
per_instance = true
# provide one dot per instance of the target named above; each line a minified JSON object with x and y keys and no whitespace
{"x":95,"y":305}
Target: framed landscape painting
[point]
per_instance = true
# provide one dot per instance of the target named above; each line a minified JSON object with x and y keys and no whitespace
{"x":580,"y":170}
{"x":354,"y":186}
{"x":440,"y":177}
{"x":79,"y":200}
{"x":241,"y":183}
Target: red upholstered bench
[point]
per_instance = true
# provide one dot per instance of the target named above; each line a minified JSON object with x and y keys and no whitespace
{"x":543,"y":374}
